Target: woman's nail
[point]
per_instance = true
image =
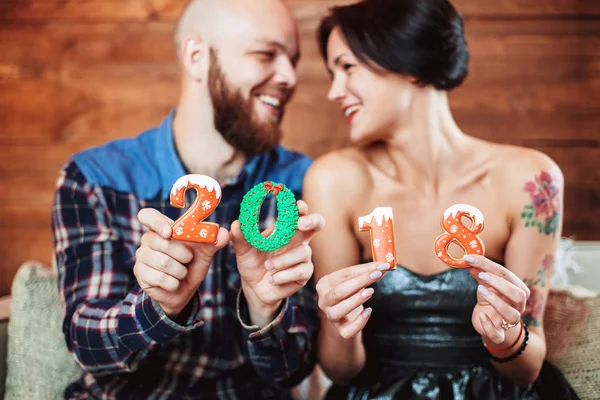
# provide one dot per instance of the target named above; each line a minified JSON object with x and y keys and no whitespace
{"x":376,"y":274}
{"x":383,"y":267}
{"x":483,"y":290}
{"x":470,"y":259}
{"x":367,"y":292}
{"x":367,"y":312}
{"x":271,"y":280}
{"x":269,"y":265}
{"x":484,"y":276}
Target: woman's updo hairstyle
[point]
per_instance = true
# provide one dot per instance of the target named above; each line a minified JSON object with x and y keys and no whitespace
{"x":419,"y":38}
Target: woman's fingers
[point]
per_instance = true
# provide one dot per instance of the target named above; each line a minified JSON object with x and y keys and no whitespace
{"x":351,"y":328}
{"x":345,"y":307}
{"x":493,"y":333}
{"x":516,"y":295}
{"x":348,"y":288}
{"x":506,"y":311}
{"x":496,"y":269}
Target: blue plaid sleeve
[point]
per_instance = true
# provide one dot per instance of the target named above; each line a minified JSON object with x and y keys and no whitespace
{"x":283,"y":352}
{"x":110,"y":324}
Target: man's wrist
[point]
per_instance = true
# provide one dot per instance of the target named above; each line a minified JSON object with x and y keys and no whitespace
{"x":259,"y":314}
{"x":173,"y":314}
{"x":182,"y":313}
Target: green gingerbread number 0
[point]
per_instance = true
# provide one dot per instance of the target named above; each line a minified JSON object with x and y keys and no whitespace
{"x":287,"y":216}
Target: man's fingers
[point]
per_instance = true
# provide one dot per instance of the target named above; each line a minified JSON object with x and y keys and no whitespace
{"x":173,"y":248}
{"x":302,"y":207}
{"x":155,"y":221}
{"x":238,"y":241}
{"x":268,"y":231}
{"x":308,"y":226}
{"x":161,"y":262}
{"x":204,"y":252}
{"x":161,"y":296}
{"x":289,"y":258}
{"x":149,"y":277}
{"x":300,"y":273}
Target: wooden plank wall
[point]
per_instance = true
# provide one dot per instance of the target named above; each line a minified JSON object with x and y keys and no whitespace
{"x":77,"y":73}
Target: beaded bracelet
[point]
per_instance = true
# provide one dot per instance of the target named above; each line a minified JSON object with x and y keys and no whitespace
{"x":518,"y":353}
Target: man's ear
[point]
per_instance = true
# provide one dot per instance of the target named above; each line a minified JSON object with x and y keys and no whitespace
{"x":195,"y":57}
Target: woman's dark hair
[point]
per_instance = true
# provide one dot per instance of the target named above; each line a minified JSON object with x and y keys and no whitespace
{"x":419,"y":38}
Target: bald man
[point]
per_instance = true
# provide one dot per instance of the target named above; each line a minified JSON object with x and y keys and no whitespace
{"x":148,"y":317}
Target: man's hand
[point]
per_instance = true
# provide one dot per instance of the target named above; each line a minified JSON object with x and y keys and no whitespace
{"x":270,"y":277}
{"x":170,"y":271}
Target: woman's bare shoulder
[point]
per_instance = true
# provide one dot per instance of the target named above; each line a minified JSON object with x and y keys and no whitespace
{"x":340,"y":173}
{"x":337,"y":160}
{"x":340,"y":165}
{"x":518,"y":163}
{"x":519,"y":169}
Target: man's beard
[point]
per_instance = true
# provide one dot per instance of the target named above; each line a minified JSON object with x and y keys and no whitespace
{"x":235,"y":118}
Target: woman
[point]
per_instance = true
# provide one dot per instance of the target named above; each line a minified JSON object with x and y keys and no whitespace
{"x":425,"y":330}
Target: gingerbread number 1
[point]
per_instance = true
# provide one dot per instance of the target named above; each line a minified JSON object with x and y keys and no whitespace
{"x":383,"y":244}
{"x":189,"y":227}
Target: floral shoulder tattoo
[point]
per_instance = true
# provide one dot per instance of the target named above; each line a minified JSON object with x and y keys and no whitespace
{"x":544,"y":210}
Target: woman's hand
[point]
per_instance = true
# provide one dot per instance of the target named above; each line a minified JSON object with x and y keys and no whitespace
{"x":342,"y":295}
{"x":501,"y":299}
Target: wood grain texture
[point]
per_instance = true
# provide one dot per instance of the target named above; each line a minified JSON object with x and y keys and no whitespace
{"x":168,"y":10}
{"x":75,"y":74}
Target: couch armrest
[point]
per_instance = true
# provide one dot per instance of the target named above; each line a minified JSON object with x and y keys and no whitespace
{"x":4,"y":314}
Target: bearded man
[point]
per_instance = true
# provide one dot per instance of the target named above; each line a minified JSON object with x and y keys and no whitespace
{"x":148,"y":317}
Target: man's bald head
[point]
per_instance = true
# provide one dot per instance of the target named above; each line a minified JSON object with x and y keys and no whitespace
{"x":198,"y":19}
{"x":238,"y":60}
{"x":216,"y":21}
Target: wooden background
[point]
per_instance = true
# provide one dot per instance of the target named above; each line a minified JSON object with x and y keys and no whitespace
{"x":77,"y":73}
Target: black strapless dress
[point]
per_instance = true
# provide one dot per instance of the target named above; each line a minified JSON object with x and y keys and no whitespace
{"x":420,"y":344}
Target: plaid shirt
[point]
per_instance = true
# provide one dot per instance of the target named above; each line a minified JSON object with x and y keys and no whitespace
{"x":125,"y":343}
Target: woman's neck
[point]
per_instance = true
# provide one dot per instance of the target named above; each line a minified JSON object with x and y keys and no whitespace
{"x":427,"y":147}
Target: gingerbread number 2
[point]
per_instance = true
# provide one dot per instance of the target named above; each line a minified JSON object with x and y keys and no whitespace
{"x":383,"y":244}
{"x":189,"y":227}
{"x":455,"y":231}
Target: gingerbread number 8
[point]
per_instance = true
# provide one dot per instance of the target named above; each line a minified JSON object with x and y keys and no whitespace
{"x":189,"y":227}
{"x":455,"y":231}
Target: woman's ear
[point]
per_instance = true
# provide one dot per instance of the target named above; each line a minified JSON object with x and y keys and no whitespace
{"x":194,"y":56}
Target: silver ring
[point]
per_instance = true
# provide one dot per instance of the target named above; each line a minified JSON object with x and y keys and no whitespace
{"x":506,"y":326}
